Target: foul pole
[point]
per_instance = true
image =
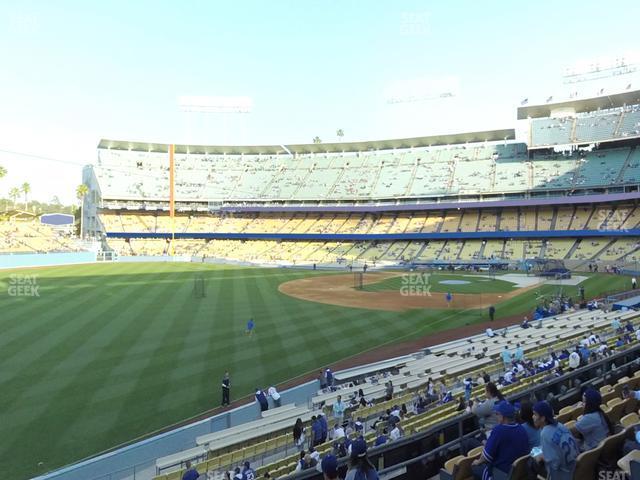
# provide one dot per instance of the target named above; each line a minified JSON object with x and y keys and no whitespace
{"x":172,"y":206}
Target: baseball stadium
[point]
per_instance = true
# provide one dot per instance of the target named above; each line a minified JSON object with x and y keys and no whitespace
{"x":319,"y":310}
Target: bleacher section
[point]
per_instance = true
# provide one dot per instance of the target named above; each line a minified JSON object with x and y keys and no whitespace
{"x":617,"y":217}
{"x":267,"y":441}
{"x":31,"y":236}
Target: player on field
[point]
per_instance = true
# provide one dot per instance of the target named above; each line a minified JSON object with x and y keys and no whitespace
{"x":250,"y":326}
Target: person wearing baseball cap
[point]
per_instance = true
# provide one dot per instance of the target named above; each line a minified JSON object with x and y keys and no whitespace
{"x":329,"y":467}
{"x":508,"y":442}
{"x":559,"y":448}
{"x":360,"y":468}
{"x":594,"y":426}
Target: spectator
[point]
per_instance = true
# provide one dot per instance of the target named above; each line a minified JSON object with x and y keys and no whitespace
{"x":262,"y":400}
{"x":594,"y":425}
{"x":237,"y":474}
{"x":275,"y":396}
{"x":248,"y":473}
{"x":525,"y":323}
{"x":338,"y":432}
{"x":396,"y":432}
{"x":381,"y":438}
{"x":489,"y":332}
{"x":191,"y":473}
{"x":338,"y":409}
{"x":484,"y":410}
{"x":518,"y":354}
{"x":468,"y":386}
{"x":615,"y":324}
{"x":324,"y":426}
{"x":322,"y":378}
{"x":329,"y":375}
{"x":508,"y":442}
{"x":526,"y":420}
{"x":298,"y":434}
{"x":506,"y":356}
{"x":389,"y":390}
{"x":559,"y":448}
{"x":574,"y":360}
{"x":316,"y":431}
{"x":329,"y":467}
{"x":360,"y":468}
{"x":302,"y":464}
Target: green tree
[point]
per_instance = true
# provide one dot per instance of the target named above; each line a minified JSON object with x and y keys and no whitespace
{"x":340,"y":133}
{"x":3,"y":171}
{"x":316,"y":139}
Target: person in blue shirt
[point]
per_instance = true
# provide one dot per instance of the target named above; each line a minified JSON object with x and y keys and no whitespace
{"x":508,"y":442}
{"x":526,"y":420}
{"x":250,"y":326}
{"x":594,"y":425}
{"x":506,"y":357}
{"x":329,"y":375}
{"x":449,"y":298}
{"x":248,"y":473}
{"x":316,"y":431}
{"x":360,"y":467}
{"x":381,"y":438}
{"x":324,"y":427}
{"x":261,"y":398}
{"x":518,"y":354}
{"x":191,"y":473}
{"x":559,"y":448}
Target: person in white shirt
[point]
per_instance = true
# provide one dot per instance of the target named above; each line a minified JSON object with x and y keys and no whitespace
{"x":273,"y":393}
{"x":396,"y":433}
{"x":574,"y":360}
{"x":489,"y":333}
{"x":338,"y":432}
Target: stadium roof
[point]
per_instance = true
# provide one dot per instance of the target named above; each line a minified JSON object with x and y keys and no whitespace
{"x":582,"y":105}
{"x":430,"y":141}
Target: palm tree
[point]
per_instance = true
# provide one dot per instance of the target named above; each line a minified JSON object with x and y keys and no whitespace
{"x":25,"y":189}
{"x":14,"y":194}
{"x":3,"y":171}
{"x":316,"y":139}
{"x":340,"y":133}
{"x":81,"y":192}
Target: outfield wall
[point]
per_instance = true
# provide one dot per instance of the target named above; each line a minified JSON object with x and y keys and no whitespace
{"x":21,"y":260}
{"x":138,"y":460}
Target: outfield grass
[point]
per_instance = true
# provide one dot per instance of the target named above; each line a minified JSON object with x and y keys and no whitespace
{"x":110,"y":352}
{"x":477,"y":283}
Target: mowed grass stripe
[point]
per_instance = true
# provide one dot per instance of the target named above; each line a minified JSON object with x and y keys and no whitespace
{"x":34,"y":316}
{"x":41,"y":349}
{"x":153,"y":375}
{"x":123,"y":363}
{"x":52,"y":415}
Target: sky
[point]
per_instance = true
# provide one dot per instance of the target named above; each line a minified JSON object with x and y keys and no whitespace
{"x":73,"y":72}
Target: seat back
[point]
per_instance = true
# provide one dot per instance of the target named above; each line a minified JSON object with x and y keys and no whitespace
{"x":586,"y":464}
{"x":611,"y":449}
{"x":450,"y":464}
{"x":630,"y":419}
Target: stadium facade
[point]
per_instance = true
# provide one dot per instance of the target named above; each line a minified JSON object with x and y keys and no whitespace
{"x":566,"y":187}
